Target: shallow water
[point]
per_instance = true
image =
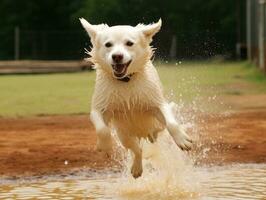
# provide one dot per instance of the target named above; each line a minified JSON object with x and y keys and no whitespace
{"x":169,"y":174}
{"x":247,"y":181}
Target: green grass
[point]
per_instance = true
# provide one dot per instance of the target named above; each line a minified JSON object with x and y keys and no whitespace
{"x":45,"y":94}
{"x":23,"y":95}
{"x":207,"y":79}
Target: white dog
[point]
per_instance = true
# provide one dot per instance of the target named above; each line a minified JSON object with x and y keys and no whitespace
{"x":128,"y":93}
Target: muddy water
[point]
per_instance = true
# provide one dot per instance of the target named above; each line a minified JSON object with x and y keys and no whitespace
{"x":246,"y":181}
{"x":169,"y":174}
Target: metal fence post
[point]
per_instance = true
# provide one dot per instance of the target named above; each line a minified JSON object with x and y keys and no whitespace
{"x":16,"y":43}
{"x":262,"y":34}
{"x":248,"y":29}
{"x":173,"y":48}
{"x":238,"y":30}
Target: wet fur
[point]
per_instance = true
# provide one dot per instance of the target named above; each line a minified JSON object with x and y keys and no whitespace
{"x":136,"y":109}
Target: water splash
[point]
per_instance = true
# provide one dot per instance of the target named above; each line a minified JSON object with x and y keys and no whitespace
{"x":168,"y":173}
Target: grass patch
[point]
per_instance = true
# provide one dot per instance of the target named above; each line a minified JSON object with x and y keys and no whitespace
{"x":45,"y":94}
{"x":207,"y":79}
{"x":253,"y":74}
{"x":23,"y":95}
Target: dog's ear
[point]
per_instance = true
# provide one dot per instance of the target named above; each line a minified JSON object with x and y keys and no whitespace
{"x":92,"y":29}
{"x":150,"y":30}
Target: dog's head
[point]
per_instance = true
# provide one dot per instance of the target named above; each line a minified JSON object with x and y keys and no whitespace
{"x":121,"y":50}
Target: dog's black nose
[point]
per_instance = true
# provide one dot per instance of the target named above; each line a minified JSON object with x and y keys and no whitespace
{"x":117,"y":58}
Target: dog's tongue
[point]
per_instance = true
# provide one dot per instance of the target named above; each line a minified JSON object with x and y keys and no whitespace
{"x":119,"y":68}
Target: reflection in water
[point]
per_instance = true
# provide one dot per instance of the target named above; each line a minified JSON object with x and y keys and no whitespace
{"x":234,"y":182}
{"x":168,"y":175}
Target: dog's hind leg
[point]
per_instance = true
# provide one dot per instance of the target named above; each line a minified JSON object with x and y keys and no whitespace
{"x":175,"y":130}
{"x":132,"y":144}
{"x":104,"y":139}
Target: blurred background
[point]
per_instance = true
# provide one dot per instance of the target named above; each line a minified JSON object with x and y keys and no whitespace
{"x":220,"y":43}
{"x":50,"y":30}
{"x":211,"y":59}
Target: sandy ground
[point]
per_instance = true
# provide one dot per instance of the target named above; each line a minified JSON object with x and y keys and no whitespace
{"x":48,"y":145}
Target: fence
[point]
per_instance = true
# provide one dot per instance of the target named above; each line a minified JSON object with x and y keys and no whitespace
{"x":42,"y":45}
{"x":69,"y":45}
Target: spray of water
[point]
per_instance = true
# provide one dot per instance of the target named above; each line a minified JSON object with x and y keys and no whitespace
{"x":168,"y":173}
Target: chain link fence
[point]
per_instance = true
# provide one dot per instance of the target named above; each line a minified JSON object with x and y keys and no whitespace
{"x":52,"y":45}
{"x":69,"y":45}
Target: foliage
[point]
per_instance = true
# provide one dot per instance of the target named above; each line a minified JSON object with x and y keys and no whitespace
{"x":200,"y":25}
{"x":189,"y":15}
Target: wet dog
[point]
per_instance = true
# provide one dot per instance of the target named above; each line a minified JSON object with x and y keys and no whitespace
{"x":128,"y":94}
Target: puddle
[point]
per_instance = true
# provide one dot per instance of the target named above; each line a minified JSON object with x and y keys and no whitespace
{"x":168,"y":175}
{"x":247,"y":181}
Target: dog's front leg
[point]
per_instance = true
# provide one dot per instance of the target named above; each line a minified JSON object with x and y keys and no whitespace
{"x":104,"y":140}
{"x":175,"y":130}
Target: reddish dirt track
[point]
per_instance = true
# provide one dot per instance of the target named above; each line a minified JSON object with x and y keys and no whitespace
{"x":41,"y":145}
{"x":235,"y":138}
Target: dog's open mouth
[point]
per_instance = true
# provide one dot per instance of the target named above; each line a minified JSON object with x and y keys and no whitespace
{"x":120,"y":69}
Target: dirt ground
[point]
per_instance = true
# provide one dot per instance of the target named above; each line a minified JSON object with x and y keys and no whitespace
{"x":232,"y":138}
{"x":48,"y":145}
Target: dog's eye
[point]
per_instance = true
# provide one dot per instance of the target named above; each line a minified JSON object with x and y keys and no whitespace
{"x":129,"y":43}
{"x":108,"y":44}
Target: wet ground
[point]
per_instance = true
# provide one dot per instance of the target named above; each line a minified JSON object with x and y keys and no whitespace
{"x":232,"y":182}
{"x":54,"y":157}
{"x":60,"y":144}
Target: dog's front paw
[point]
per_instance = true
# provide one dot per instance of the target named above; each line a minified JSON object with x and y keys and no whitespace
{"x":136,"y":169}
{"x":104,"y":140}
{"x":183,"y":141}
